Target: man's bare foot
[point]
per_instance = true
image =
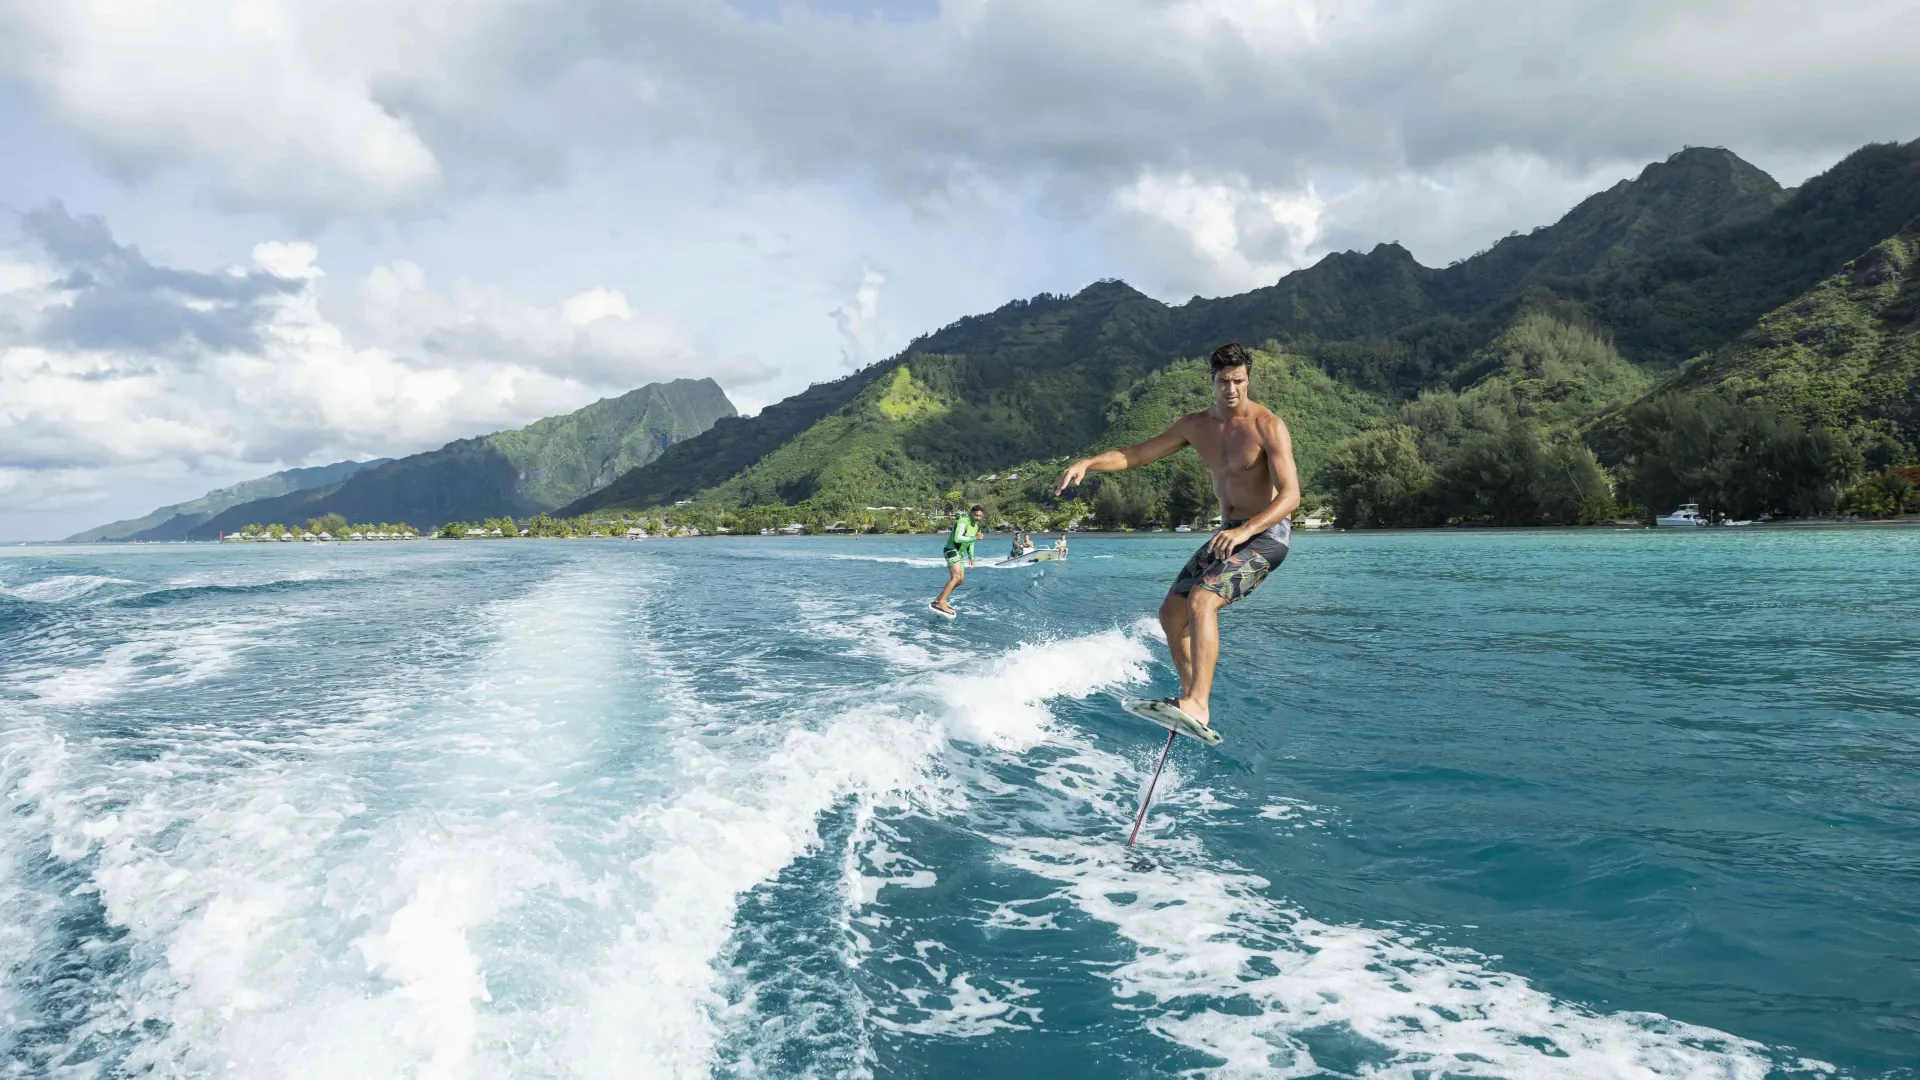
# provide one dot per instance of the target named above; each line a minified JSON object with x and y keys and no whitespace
{"x":1196,"y":710}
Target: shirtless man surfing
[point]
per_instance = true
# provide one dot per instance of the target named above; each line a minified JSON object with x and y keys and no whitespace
{"x":1250,"y":454}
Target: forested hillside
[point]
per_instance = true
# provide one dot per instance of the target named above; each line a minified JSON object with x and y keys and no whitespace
{"x":1845,"y":355}
{"x":1474,"y":392}
{"x":733,"y":442}
{"x":521,"y":472}
{"x":1694,"y":293}
{"x":176,"y":521}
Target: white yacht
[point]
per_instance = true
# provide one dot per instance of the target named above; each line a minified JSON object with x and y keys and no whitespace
{"x":1688,"y":514}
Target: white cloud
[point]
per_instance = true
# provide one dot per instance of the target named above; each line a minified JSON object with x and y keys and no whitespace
{"x":282,"y":100}
{"x":1450,"y":213}
{"x":594,"y":338}
{"x":1220,"y":236}
{"x":858,"y":321}
{"x":365,"y":105}
{"x":96,"y":391}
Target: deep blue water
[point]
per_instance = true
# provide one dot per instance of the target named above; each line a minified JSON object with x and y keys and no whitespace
{"x":1559,"y":804}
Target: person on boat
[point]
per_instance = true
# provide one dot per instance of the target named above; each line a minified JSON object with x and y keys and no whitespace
{"x":1250,"y":453}
{"x":1060,"y":545}
{"x":966,"y":530}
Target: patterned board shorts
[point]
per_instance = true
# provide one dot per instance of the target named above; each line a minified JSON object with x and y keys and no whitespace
{"x":1239,"y":573}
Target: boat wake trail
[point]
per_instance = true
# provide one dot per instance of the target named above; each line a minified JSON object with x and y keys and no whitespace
{"x":594,"y":825}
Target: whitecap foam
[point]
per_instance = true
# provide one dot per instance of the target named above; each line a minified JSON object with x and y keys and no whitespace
{"x":1306,"y":987}
{"x":171,"y":656}
{"x":1004,"y":706}
{"x":897,"y":560}
{"x":656,"y":996}
{"x":958,"y":1009}
{"x":62,"y":588}
{"x":1267,"y":990}
{"x":279,"y":925}
{"x":879,"y":633}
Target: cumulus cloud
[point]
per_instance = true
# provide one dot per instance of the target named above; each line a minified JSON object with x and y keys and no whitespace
{"x":285,"y":101}
{"x":109,"y":362}
{"x":367,"y":104}
{"x":594,"y":338}
{"x":858,"y":321}
{"x":111,"y":297}
{"x":1093,"y":91}
{"x":1219,"y":236}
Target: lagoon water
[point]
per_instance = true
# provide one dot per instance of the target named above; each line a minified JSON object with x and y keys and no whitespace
{"x":1557,"y":804}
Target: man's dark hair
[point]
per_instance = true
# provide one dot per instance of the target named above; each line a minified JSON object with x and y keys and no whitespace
{"x":977,"y":509}
{"x":1232,"y":354}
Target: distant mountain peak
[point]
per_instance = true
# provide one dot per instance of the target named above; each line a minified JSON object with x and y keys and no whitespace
{"x":1699,"y":188}
{"x":1388,"y":253}
{"x":175,"y":521}
{"x":521,"y":472}
{"x":1108,"y":287}
{"x":1711,"y":174}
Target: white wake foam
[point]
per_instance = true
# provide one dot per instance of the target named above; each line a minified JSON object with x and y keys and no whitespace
{"x":1405,"y":1006}
{"x":1264,"y":988}
{"x":156,"y":658}
{"x":60,"y":589}
{"x":456,"y":882}
{"x":746,"y":820}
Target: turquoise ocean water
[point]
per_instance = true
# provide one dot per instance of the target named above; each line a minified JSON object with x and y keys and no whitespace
{"x":1557,"y":804}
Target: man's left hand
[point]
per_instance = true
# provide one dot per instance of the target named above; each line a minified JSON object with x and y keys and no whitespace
{"x":1225,"y":541}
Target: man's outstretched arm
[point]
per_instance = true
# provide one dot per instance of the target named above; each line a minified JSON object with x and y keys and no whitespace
{"x":1153,"y":449}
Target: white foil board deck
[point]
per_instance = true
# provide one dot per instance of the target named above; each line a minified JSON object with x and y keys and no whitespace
{"x":1157,"y":711}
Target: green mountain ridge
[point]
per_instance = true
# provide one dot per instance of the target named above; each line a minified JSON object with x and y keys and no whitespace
{"x":1702,"y":239}
{"x":518,"y":473}
{"x":1692,"y":294}
{"x":175,"y":521}
{"x":1010,"y":384}
{"x":1696,"y":189}
{"x":1844,"y":355}
{"x":688,"y":467}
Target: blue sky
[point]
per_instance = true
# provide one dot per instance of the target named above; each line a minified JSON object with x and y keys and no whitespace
{"x":486,"y":212}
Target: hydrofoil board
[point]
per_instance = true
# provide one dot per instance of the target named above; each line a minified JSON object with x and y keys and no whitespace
{"x":1163,"y":712}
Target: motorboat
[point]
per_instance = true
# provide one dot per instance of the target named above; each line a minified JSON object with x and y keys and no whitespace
{"x":1687,"y":515}
{"x":1036,"y":555}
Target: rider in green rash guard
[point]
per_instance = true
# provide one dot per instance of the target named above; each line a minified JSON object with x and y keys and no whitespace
{"x":966,"y":530}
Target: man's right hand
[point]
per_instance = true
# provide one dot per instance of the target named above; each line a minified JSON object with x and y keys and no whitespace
{"x":1075,"y":473}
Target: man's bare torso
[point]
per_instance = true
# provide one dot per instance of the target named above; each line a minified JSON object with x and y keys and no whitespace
{"x":1235,"y":452}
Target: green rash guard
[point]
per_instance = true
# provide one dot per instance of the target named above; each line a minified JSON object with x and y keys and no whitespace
{"x":960,"y":543}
